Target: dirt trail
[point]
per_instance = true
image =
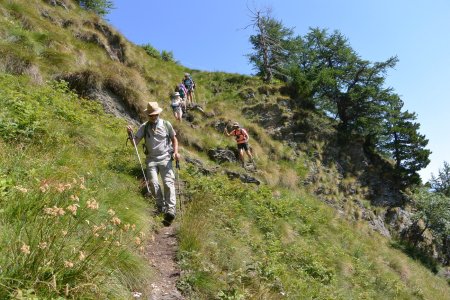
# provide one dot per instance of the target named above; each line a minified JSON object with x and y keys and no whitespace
{"x":161,"y":252}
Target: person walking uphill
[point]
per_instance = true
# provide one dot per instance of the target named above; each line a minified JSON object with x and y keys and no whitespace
{"x":242,"y":138}
{"x":162,"y":146}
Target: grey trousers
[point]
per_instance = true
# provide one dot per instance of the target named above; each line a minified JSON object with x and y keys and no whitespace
{"x":166,"y":201}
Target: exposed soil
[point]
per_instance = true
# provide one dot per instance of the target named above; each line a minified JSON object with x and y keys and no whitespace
{"x":161,"y":254}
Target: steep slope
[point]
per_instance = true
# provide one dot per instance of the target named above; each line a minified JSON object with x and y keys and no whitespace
{"x":72,"y":216}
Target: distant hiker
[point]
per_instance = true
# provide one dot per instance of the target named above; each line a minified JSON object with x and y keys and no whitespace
{"x":161,"y":147}
{"x":182,"y":90}
{"x":242,"y":138}
{"x":190,"y":85}
{"x":177,"y":106}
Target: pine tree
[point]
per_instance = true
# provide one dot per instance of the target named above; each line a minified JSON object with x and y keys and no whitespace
{"x":441,"y":183}
{"x":271,"y":45}
{"x":341,"y":83}
{"x":405,"y":144}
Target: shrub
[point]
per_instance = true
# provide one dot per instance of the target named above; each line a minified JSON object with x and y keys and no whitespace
{"x":100,"y":7}
{"x":167,"y":56}
{"x":151,"y":51}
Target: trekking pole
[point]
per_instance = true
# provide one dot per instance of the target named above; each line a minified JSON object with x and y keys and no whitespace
{"x":177,"y":167}
{"x":131,"y":137}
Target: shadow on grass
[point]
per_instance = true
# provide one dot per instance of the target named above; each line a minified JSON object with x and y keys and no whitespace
{"x":418,"y":254}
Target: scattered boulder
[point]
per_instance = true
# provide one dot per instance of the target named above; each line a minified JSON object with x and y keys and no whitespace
{"x":220,"y":124}
{"x":243,"y":177}
{"x":222,"y":155}
{"x":199,"y":165}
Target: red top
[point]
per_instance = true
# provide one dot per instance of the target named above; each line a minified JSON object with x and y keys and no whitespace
{"x":241,"y":135}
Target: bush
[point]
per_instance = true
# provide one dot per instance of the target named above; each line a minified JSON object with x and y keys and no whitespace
{"x":167,"y":56}
{"x":100,"y":7}
{"x":151,"y":51}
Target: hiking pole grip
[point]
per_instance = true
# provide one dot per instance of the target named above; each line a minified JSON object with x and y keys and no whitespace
{"x":177,"y":164}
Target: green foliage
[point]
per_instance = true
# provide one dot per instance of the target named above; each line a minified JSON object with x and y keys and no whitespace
{"x":324,"y":73}
{"x":167,"y":56}
{"x":441,"y":183}
{"x":23,"y":115}
{"x":405,"y":144}
{"x":100,"y":7}
{"x":271,"y":45}
{"x":341,"y":83}
{"x":434,"y":210}
{"x":241,"y":242}
{"x":151,"y":51}
{"x":64,"y":229}
{"x":236,"y":241}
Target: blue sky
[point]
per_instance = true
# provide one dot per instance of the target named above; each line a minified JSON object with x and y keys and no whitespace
{"x":211,"y":35}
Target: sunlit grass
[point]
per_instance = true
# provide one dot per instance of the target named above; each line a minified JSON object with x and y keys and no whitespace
{"x":70,"y":216}
{"x":257,"y":243}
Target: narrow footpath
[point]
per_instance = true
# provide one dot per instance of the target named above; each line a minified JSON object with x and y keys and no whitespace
{"x":161,"y":254}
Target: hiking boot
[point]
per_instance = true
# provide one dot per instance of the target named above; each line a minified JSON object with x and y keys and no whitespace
{"x":168,"y":218}
{"x":159,"y":210}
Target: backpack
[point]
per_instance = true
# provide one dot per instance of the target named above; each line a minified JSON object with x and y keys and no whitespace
{"x":242,"y":132}
{"x":189,"y":83}
{"x":181,"y":91}
{"x":147,"y":132}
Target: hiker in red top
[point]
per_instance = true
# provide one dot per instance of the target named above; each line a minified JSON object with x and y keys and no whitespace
{"x":241,"y":140}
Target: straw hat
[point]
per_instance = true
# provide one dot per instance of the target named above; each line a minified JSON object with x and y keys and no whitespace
{"x":153,"y":109}
{"x":235,"y":125}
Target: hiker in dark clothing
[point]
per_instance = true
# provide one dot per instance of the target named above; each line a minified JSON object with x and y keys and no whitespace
{"x":190,"y":85}
{"x":162,"y":146}
{"x":242,"y":138}
{"x":181,"y":89}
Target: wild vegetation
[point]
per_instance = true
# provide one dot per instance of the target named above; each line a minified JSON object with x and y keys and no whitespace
{"x":325,"y":74}
{"x":73,"y":219}
{"x":71,"y":225}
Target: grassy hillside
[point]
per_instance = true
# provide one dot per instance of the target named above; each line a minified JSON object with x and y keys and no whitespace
{"x":72,"y":216}
{"x":73,"y":221}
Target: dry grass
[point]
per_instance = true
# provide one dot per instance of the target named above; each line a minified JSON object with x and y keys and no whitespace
{"x":271,"y":176}
{"x":289,"y":179}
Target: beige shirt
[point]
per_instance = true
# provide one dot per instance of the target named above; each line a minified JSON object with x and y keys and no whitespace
{"x":157,"y":141}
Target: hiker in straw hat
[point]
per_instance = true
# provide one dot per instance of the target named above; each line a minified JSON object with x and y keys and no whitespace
{"x":161,"y":147}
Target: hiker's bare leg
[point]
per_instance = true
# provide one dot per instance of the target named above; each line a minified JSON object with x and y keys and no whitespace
{"x":249,"y":155}
{"x":190,"y":98}
{"x":241,"y":156}
{"x":178,"y":114}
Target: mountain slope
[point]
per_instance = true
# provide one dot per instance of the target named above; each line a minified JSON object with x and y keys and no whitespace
{"x":72,"y":216}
